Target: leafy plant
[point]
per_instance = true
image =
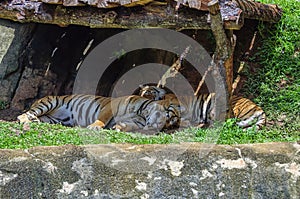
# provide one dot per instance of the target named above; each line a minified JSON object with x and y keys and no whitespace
{"x":277,"y":82}
{"x":3,"y":105}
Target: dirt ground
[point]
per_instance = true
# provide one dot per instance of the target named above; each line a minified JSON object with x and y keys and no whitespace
{"x":9,"y":114}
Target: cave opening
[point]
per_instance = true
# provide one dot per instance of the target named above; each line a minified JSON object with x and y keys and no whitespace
{"x":53,"y":55}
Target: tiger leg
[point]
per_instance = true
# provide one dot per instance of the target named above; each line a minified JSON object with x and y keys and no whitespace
{"x":152,"y":123}
{"x":40,"y":108}
{"x":97,"y":125}
{"x":134,"y":122}
{"x":148,"y":119}
{"x":27,"y":118}
{"x":104,"y":117}
{"x":126,"y":126}
{"x":155,"y":121}
{"x":261,"y":121}
{"x":257,"y":119}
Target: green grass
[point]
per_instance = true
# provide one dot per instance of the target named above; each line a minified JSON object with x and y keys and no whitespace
{"x":13,"y":135}
{"x":275,"y":87}
{"x":19,"y":136}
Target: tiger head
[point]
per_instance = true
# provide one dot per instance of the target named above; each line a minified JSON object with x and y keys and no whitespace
{"x":172,"y":116}
{"x":161,"y":115}
{"x":172,"y":108}
{"x":152,"y":92}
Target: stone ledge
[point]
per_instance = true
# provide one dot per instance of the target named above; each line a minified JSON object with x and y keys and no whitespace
{"x":188,"y":170}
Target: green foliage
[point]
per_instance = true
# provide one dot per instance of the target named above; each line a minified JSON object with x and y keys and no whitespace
{"x":279,"y":56}
{"x":21,"y":136}
{"x":15,"y":135}
{"x":232,"y":134}
{"x":3,"y":105}
{"x":276,"y":84}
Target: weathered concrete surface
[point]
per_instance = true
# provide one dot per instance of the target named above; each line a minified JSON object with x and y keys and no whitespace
{"x":189,"y":170}
{"x":13,"y":40}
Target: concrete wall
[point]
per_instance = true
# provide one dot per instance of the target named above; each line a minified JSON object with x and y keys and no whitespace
{"x":189,"y":170}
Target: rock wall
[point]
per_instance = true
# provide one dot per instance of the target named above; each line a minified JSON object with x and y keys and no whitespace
{"x":14,"y":38}
{"x":189,"y":170}
{"x":38,"y":60}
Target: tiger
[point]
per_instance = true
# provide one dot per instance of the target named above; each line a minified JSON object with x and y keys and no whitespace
{"x":98,"y":112}
{"x":152,"y":92}
{"x":246,"y":111}
{"x":131,"y":122}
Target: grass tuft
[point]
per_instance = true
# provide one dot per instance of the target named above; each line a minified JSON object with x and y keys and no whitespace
{"x":22,"y":136}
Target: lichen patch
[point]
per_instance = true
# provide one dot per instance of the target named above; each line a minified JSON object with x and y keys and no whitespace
{"x":221,"y":194}
{"x":150,"y":160}
{"x":145,"y":196}
{"x":195,"y":193}
{"x":18,"y":159}
{"x":67,"y":188}
{"x":6,"y":178}
{"x":292,"y":168}
{"x":175,"y":167}
{"x":116,"y":161}
{"x":232,"y":164}
{"x":141,"y":186}
{"x":205,"y":174}
{"x":49,"y":167}
{"x":193,"y":184}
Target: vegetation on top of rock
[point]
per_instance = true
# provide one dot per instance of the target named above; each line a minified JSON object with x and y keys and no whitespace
{"x":276,"y":84}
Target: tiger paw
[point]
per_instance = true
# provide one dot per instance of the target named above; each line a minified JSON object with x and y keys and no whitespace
{"x":119,"y":127}
{"x":27,"y":118}
{"x":201,"y":125}
{"x":23,"y":118}
{"x":94,"y":127}
{"x":98,"y":125}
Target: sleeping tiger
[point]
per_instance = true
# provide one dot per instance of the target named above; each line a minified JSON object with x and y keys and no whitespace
{"x":97,"y":112}
{"x":201,"y":106}
{"x":131,"y":122}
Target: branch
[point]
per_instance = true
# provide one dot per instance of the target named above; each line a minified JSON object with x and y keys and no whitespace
{"x":263,"y":12}
{"x":203,"y":79}
{"x":174,"y":69}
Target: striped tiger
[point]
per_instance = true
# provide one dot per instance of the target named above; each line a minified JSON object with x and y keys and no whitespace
{"x":131,"y":122}
{"x":152,"y":92}
{"x":97,"y":112}
{"x":246,"y":111}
